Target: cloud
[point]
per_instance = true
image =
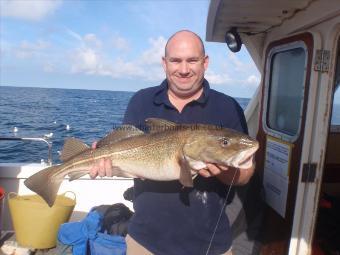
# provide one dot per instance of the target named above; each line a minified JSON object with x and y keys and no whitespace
{"x":120,"y":43}
{"x":217,"y":79}
{"x":49,"y":67}
{"x":93,"y":60}
{"x":40,"y":53}
{"x":253,"y":80}
{"x":74,"y":35}
{"x":92,"y":40}
{"x":146,"y":66}
{"x":28,"y":49}
{"x":90,"y":61}
{"x":227,"y":80}
{"x":235,"y":62}
{"x":5,"y":47}
{"x":86,"y":60}
{"x":233,"y":71}
{"x":28,"y":10}
{"x":154,"y":54}
{"x":126,"y":69}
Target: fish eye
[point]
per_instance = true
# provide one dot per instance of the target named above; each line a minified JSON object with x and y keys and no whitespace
{"x":224,"y":142}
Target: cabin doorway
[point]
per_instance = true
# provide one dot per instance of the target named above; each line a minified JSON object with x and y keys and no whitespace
{"x":282,"y":125}
{"x":327,"y":228}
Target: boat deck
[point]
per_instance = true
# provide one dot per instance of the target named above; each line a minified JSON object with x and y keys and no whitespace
{"x":9,"y":246}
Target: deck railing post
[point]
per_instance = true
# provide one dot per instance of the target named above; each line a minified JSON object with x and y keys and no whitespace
{"x":38,"y":139}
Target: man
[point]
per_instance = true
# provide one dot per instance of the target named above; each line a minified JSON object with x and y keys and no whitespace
{"x":170,"y":219}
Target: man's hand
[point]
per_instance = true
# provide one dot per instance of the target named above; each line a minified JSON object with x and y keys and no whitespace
{"x":226,"y":174}
{"x":102,"y":167}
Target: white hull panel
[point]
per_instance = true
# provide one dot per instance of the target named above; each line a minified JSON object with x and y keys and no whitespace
{"x":89,"y":192}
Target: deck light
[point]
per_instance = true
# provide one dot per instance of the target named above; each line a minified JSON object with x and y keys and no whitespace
{"x":233,"y":40}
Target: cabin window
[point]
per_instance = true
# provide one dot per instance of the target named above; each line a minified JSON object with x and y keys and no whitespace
{"x":286,"y":90}
{"x":335,"y":121}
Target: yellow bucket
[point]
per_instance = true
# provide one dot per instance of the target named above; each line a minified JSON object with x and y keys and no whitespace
{"x":36,"y":224}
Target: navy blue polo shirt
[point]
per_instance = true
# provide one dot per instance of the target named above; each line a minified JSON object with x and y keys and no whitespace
{"x":170,"y":219}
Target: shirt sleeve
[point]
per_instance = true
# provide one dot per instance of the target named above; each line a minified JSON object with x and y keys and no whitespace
{"x":130,"y":116}
{"x":234,"y":116}
{"x":242,"y":123}
{"x":134,"y":114}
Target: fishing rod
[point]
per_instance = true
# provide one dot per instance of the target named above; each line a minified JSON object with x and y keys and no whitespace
{"x":221,"y":213}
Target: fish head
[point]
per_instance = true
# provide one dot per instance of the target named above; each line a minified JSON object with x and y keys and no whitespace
{"x":220,"y":146}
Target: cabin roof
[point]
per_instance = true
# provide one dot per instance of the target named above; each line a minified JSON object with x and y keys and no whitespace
{"x":249,"y":16}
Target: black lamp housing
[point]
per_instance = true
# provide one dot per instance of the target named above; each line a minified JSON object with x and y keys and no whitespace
{"x":233,"y":40}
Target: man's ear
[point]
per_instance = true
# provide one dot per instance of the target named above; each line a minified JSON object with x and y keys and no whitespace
{"x":206,"y":62}
{"x":164,"y":63}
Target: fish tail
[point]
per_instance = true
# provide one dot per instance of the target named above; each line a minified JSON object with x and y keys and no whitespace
{"x":45,"y":184}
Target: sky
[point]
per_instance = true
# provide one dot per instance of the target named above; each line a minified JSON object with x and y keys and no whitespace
{"x":108,"y":45}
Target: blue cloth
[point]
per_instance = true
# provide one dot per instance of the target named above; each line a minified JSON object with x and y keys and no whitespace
{"x":170,"y":219}
{"x":78,"y":234}
{"x":108,"y":245}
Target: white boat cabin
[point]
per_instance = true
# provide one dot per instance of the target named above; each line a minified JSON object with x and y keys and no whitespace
{"x":295,"y":112}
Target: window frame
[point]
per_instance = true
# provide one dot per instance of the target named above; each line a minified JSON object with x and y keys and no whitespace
{"x":268,"y":69}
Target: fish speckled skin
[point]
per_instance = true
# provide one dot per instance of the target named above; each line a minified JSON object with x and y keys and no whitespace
{"x":169,"y":152}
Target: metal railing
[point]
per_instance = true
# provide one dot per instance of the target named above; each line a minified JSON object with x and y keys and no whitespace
{"x":36,"y":139}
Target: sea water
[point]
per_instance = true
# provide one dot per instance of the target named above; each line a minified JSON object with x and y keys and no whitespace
{"x":58,"y":114}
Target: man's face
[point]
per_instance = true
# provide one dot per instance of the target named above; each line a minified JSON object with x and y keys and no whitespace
{"x":184,"y":65}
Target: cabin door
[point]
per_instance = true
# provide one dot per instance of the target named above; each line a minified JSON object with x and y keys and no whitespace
{"x":312,"y":233}
{"x":282,"y":127}
{"x":327,"y":225}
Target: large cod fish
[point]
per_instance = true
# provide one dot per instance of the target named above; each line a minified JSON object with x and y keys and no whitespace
{"x":168,"y":152}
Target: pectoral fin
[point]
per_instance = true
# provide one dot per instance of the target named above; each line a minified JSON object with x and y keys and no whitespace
{"x":185,"y":177}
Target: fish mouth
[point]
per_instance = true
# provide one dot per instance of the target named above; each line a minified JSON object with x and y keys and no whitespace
{"x":246,"y":163}
{"x":245,"y":160}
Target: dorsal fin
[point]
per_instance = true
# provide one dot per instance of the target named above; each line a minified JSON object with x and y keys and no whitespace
{"x":123,"y":132}
{"x":72,"y":147}
{"x":158,"y":125}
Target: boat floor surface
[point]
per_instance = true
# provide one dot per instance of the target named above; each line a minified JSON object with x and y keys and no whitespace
{"x":9,"y":246}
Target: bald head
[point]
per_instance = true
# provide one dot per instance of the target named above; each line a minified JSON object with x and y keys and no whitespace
{"x":184,"y":35}
{"x":184,"y":64}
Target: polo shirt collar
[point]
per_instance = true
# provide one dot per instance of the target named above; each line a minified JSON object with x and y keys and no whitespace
{"x":161,"y":95}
